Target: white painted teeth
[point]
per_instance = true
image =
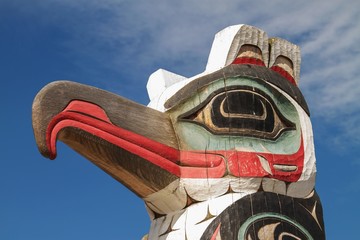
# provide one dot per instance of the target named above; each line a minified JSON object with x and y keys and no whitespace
{"x":285,"y":168}
{"x":280,"y":167}
{"x":265,"y":164}
{"x":192,"y":221}
{"x":299,"y":189}
{"x":174,"y":197}
{"x":274,"y":185}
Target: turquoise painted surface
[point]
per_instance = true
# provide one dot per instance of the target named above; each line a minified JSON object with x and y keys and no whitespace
{"x":195,"y":137}
{"x":258,"y":217}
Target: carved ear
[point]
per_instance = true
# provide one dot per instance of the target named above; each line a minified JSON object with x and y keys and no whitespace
{"x":238,"y":44}
{"x":249,"y":54}
{"x":285,"y":59}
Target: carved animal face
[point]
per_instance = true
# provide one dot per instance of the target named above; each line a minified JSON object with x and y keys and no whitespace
{"x":241,"y":126}
{"x":241,"y":129}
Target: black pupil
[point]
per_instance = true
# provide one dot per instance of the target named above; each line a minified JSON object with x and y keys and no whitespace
{"x":242,"y":110}
{"x":243,"y":103}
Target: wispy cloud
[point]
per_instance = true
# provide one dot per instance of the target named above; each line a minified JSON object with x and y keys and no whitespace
{"x":177,"y":35}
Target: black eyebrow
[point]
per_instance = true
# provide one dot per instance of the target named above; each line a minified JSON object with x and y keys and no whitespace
{"x":239,"y":70}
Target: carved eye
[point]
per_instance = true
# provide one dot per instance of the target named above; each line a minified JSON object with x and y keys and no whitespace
{"x":247,"y":112}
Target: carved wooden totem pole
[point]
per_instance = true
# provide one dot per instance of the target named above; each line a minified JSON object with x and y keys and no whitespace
{"x":226,"y":154}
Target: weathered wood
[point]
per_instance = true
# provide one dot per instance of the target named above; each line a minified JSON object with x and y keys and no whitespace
{"x":54,"y":97}
{"x":123,"y":165}
{"x":265,"y":215}
{"x":227,"y":154}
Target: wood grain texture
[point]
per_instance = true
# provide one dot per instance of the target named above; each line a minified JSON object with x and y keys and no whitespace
{"x":228,"y":154}
{"x":138,"y":174}
{"x":266,"y":215}
{"x":54,"y":97}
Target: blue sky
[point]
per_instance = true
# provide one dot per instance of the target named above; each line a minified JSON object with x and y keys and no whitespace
{"x":116,"y":45}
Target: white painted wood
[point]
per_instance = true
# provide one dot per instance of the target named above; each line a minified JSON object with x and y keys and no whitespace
{"x":228,"y":42}
{"x":158,"y":102}
{"x":245,"y":185}
{"x":174,"y":196}
{"x":215,"y":195}
{"x":217,"y":205}
{"x":204,"y":189}
{"x":190,"y":223}
{"x":301,"y":189}
{"x":163,"y":84}
{"x":160,"y":80}
{"x":306,"y":182}
{"x":274,"y":185}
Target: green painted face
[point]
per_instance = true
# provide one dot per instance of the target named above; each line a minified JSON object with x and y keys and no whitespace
{"x":256,"y":117}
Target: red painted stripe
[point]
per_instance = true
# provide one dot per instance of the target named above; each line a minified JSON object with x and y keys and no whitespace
{"x":88,"y":109}
{"x":198,"y":165}
{"x":284,"y":73}
{"x":216,"y":235}
{"x":150,"y":156}
{"x":248,"y":60}
{"x":186,"y":164}
{"x":248,"y":164}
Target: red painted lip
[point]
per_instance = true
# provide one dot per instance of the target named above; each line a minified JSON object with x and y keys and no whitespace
{"x":285,"y":167}
{"x":185,"y":164}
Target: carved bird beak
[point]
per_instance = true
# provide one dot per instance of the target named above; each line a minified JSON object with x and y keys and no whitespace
{"x":134,"y":144}
{"x":108,"y":129}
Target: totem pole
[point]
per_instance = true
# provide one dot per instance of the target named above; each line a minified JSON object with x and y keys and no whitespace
{"x":226,"y":154}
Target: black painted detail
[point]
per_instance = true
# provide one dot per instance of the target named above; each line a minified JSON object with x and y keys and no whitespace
{"x":274,"y":226}
{"x":254,"y":72}
{"x":267,"y":215}
{"x":240,"y":111}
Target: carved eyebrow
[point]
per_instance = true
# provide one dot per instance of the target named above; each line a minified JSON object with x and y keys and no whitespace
{"x":240,"y":70}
